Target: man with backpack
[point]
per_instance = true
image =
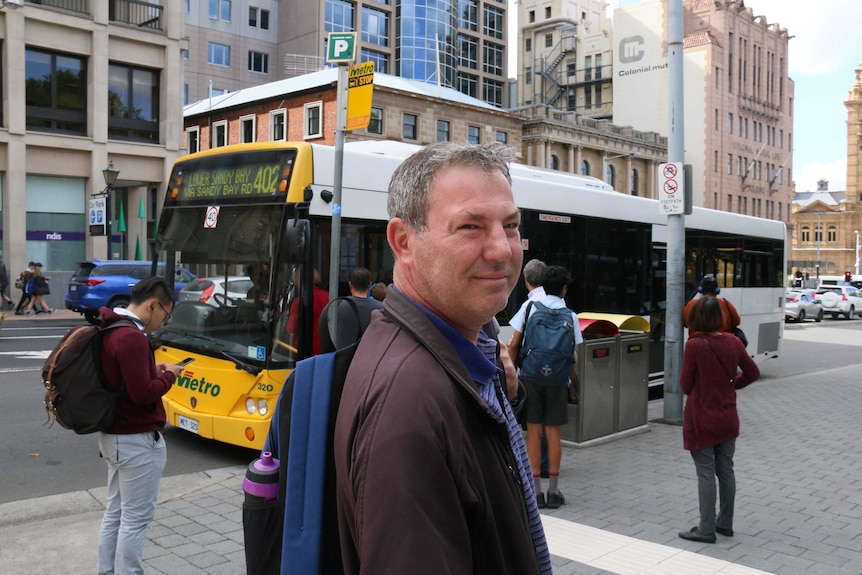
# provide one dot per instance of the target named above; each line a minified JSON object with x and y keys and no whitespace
{"x":134,"y":445}
{"x":339,"y":319}
{"x":546,"y":333}
{"x":431,"y":468}
{"x":21,"y":283}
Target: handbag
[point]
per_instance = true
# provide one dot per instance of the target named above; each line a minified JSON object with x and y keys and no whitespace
{"x":737,"y":331}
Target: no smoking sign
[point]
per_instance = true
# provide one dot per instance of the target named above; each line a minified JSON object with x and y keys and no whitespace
{"x":670,"y":186}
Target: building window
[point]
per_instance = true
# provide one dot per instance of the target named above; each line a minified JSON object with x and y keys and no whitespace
{"x":493,"y":92}
{"x":611,"y":176}
{"x":443,"y":131}
{"x":502,"y":137}
{"x":547,"y":12}
{"x":338,"y":16}
{"x":571,"y":69}
{"x":585,"y":168}
{"x":185,"y":54}
{"x":493,"y":59}
{"x":468,"y":84}
{"x":313,"y":120}
{"x":528,"y":45}
{"x":219,"y":134}
{"x":409,"y":126}
{"x":468,"y":51}
{"x":258,"y":62}
{"x":380,"y":59}
{"x":598,"y":68}
{"x":532,"y":16}
{"x":806,"y":234}
{"x":185,"y":94}
{"x":258,"y":18}
{"x":549,"y":40}
{"x":219,"y":10}
{"x":598,"y":102}
{"x":193,"y":139}
{"x":468,"y":15}
{"x":730,"y":123}
{"x":218,"y":54}
{"x":375,"y":124}
{"x":818,"y":234}
{"x":635,"y":182}
{"x":555,"y":162}
{"x":133,"y":103}
{"x":528,"y":75}
{"x":375,"y":27}
{"x":588,"y":98}
{"x":493,"y":22}
{"x":56,"y":92}
{"x":730,"y":163}
{"x":473,"y":135}
{"x":247,"y":129}
{"x":278,"y":125}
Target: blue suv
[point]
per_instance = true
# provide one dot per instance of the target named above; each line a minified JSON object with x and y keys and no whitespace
{"x":98,"y":283}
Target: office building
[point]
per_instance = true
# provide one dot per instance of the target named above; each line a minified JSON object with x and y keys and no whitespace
{"x":87,"y":85}
{"x":457,"y":43}
{"x":738,"y":99}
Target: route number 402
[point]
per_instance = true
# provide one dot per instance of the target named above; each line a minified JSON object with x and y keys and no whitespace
{"x":267,"y":387}
{"x":266,"y":179}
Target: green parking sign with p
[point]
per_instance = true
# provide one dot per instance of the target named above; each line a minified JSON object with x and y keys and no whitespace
{"x":341,"y":47}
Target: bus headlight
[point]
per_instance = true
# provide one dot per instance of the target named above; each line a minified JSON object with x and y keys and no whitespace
{"x":262,"y":406}
{"x":250,"y":404}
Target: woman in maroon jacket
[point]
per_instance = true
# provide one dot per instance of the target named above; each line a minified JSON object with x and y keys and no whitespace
{"x":710,"y":425}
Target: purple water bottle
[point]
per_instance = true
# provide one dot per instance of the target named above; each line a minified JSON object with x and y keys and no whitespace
{"x":261,"y":479}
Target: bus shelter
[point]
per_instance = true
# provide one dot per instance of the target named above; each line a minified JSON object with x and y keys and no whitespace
{"x":613,"y":375}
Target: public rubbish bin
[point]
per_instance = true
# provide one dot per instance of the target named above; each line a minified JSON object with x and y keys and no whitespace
{"x":632,"y":381}
{"x":593,"y":416}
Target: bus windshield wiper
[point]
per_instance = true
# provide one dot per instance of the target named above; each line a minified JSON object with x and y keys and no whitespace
{"x":240,"y":364}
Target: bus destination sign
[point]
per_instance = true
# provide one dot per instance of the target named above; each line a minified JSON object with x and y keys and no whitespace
{"x":232,"y":182}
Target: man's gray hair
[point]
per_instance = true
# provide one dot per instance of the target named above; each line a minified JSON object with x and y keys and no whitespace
{"x":412,"y":181}
{"x":533,"y":272}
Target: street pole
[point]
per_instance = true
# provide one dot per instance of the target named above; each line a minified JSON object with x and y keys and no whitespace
{"x":108,"y":218}
{"x":673,"y":343}
{"x":340,"y":129}
{"x":857,"y":253}
{"x":817,"y":231}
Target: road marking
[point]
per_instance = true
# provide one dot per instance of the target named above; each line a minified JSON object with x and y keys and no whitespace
{"x":42,"y":354}
{"x":625,"y":555}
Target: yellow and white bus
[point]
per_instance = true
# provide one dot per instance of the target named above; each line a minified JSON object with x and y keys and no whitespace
{"x":264,"y":210}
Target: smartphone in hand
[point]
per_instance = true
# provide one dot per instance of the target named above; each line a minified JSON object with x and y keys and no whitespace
{"x":185,"y":362}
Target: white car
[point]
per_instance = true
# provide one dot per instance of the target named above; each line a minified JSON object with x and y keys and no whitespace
{"x":845,"y":300}
{"x":800,"y":305}
{"x":217,"y":291}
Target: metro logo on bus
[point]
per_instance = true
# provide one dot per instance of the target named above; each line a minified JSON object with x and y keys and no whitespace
{"x":200,"y":385}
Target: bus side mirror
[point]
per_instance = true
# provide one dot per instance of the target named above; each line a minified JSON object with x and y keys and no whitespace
{"x":297,"y":241}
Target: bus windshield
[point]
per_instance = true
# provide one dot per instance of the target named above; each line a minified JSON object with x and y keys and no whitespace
{"x":223,"y":220}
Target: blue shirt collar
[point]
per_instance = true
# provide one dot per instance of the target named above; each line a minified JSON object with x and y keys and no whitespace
{"x":481,"y":370}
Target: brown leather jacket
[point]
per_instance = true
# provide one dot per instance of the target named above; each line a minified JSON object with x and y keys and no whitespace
{"x":426,"y":479}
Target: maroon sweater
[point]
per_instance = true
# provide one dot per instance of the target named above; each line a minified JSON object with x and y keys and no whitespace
{"x":710,"y":415}
{"x":127,"y":357}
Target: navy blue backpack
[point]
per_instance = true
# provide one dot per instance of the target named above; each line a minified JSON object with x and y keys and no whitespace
{"x":548,"y":346}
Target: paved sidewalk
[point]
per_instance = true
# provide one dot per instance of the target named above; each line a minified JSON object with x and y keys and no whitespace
{"x":798,"y":508}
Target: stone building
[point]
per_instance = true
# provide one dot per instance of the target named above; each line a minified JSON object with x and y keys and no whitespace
{"x":303,"y":108}
{"x":86,"y":84}
{"x":826,"y":224}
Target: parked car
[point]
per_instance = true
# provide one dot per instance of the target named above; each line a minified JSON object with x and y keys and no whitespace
{"x":217,"y":291}
{"x":837,"y":300}
{"x":98,"y":283}
{"x":800,"y":305}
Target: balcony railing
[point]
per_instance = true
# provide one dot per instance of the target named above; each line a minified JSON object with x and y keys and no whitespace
{"x":79,"y":6}
{"x":136,"y":13}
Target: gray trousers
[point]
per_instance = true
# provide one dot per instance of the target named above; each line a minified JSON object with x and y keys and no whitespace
{"x":712,"y":462}
{"x":135,"y":465}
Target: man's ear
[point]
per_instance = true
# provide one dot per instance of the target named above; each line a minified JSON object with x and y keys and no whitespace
{"x":400,"y":236}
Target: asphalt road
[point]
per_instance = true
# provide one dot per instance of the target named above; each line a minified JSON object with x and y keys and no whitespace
{"x":41,"y":460}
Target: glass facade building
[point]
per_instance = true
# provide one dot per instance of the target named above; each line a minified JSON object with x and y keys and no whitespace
{"x":459,"y":43}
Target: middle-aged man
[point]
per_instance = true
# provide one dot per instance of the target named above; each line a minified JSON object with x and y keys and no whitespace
{"x":134,"y":445}
{"x":431,"y":468}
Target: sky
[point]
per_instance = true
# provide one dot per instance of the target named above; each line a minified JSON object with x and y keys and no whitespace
{"x":824,"y":55}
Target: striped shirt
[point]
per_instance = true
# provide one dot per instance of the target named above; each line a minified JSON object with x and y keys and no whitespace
{"x":481,"y":361}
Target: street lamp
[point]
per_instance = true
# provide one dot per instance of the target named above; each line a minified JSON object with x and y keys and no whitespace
{"x":110,"y":174}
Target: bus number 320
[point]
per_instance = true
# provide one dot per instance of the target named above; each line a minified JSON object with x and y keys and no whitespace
{"x":264,"y":387}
